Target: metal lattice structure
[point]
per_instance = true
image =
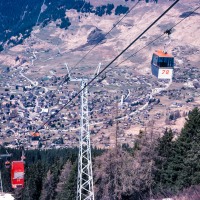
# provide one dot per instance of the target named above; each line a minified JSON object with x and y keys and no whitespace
{"x":85,"y":189}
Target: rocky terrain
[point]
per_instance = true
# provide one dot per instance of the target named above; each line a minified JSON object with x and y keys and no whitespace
{"x":33,"y":70}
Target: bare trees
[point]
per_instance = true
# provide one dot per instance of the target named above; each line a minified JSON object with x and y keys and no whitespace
{"x":113,"y":175}
{"x":120,"y":175}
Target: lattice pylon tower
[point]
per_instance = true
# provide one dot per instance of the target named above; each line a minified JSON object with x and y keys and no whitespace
{"x":85,"y":190}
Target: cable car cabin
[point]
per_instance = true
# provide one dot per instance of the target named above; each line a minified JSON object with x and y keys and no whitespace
{"x":162,"y":65}
{"x":7,"y":164}
{"x":35,"y":138}
{"x":17,"y":174}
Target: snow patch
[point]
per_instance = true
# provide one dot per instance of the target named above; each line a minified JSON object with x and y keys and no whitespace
{"x":6,"y":196}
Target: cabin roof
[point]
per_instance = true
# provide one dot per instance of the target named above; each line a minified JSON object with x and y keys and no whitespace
{"x":35,"y":134}
{"x":161,"y":53}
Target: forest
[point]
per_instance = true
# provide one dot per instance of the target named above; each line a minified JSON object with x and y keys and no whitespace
{"x":156,"y":167}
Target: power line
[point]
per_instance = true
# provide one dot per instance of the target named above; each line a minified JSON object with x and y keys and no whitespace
{"x":114,"y":26}
{"x":110,"y":63}
{"x":132,"y":43}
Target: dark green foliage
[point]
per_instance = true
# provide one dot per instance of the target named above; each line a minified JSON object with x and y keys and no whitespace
{"x":18,"y":194}
{"x":12,"y":20}
{"x":12,"y":96}
{"x":65,"y":23}
{"x":165,"y":144}
{"x":179,"y":166}
{"x":70,"y":186}
{"x":147,"y":1}
{"x":5,"y":177}
{"x":20,"y":17}
{"x":104,"y":9}
{"x":100,"y":10}
{"x":1,"y":48}
{"x":43,"y":169}
{"x":34,"y":176}
{"x":109,"y":9}
{"x":40,"y":166}
{"x":164,"y":150}
{"x":121,"y":10}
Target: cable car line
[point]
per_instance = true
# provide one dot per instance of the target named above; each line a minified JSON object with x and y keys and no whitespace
{"x":101,"y":72}
{"x":19,"y":165}
{"x":114,"y":26}
{"x":132,"y":55}
{"x":66,"y":77}
{"x":167,"y":31}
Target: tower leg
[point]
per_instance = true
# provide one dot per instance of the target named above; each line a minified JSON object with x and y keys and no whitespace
{"x":85,"y":189}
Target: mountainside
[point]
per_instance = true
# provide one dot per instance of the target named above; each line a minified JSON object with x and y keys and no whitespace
{"x":32,"y":80}
{"x":144,"y":132}
{"x":17,"y":18}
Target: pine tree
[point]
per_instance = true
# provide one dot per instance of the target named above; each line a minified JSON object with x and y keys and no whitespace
{"x":18,"y":194}
{"x":190,"y":132}
{"x":164,"y":150}
{"x":33,"y":181}
{"x":70,"y":186}
{"x":48,"y":190}
{"x":182,"y":166}
{"x":63,"y":180}
{"x":188,"y":145}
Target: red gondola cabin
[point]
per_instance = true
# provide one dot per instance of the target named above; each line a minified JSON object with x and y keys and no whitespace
{"x":17,"y":174}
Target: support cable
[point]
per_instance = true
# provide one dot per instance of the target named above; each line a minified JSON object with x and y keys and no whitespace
{"x":123,"y":51}
{"x":166,"y":32}
{"x":114,"y":26}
